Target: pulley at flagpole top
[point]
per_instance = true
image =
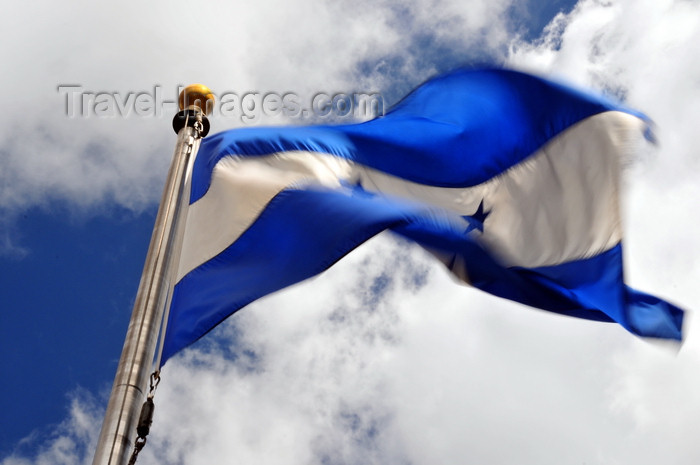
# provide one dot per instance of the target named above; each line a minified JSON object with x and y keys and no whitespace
{"x":140,"y":358}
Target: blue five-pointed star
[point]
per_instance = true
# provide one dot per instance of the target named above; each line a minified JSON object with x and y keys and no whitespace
{"x":476,"y":221}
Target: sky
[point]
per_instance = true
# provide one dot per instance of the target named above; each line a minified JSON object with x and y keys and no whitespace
{"x":383,"y":359}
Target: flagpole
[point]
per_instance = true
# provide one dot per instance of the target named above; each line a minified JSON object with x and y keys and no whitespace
{"x":136,"y":364}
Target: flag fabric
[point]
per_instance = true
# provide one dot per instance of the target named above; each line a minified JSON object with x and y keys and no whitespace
{"x":511,"y":180}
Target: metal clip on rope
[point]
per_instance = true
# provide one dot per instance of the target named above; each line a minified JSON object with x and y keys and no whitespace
{"x":145,"y":419}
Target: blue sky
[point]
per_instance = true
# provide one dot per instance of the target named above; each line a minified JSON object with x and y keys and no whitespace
{"x":67,"y":332}
{"x":404,"y":383}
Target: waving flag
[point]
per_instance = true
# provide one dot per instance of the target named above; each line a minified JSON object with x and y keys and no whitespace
{"x":510,"y":180}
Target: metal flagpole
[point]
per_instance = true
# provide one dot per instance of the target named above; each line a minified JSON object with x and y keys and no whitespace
{"x":116,"y":439}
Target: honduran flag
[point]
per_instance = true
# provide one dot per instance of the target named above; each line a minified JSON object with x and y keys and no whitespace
{"x":511,"y":180}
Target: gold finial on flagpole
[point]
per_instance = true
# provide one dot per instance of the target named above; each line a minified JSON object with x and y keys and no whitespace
{"x":196,"y":102}
{"x":196,"y":97}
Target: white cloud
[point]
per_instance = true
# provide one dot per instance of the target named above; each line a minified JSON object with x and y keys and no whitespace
{"x":72,"y":442}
